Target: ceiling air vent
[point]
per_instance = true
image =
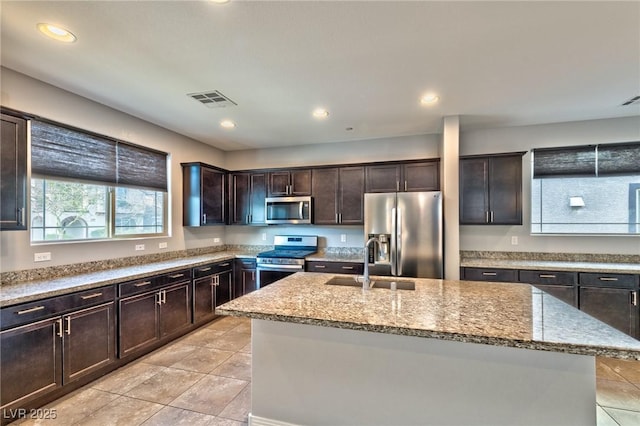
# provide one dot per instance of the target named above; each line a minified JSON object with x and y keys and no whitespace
{"x":212,"y":99}
{"x":634,"y":100}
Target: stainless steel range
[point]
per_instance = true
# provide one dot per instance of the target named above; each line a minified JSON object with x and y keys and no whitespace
{"x":285,"y":259}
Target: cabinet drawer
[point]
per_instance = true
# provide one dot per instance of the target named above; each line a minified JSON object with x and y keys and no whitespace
{"x":491,"y":274}
{"x":247,"y":263}
{"x":24,"y":313}
{"x":212,"y":268}
{"x":138,"y":286}
{"x":335,"y":267}
{"x":175,"y":277}
{"x":549,"y":277}
{"x":608,"y":280}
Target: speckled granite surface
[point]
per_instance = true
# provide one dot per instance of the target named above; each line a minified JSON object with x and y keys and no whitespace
{"x":515,"y":315}
{"x":338,"y":254}
{"x":583,"y":262}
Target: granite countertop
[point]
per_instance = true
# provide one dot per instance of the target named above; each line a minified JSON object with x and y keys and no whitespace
{"x":502,"y":314}
{"x":552,"y":265}
{"x":12,"y":294}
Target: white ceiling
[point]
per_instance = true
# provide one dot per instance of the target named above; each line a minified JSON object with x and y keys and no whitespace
{"x":493,"y":63}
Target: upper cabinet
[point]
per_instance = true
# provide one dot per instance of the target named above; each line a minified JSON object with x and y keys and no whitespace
{"x":338,"y":194}
{"x":283,"y":183}
{"x":248,"y":192}
{"x":491,"y":189}
{"x":13,"y":170}
{"x":203,"y":195}
{"x":403,"y":177}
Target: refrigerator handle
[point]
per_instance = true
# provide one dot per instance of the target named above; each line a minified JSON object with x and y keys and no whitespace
{"x":394,"y":252}
{"x":398,"y":217}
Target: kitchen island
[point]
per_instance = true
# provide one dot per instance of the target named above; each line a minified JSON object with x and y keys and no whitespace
{"x":448,"y":352}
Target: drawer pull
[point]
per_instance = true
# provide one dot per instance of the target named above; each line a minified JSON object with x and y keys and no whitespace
{"x":142,"y":284}
{"x":204,"y":269}
{"x":608,"y":279}
{"x":30,"y":310}
{"x":489,"y":274}
{"x":547,"y":276}
{"x":319,"y":266}
{"x":225,"y":264}
{"x":176,"y":275}
{"x":91,"y":296}
{"x":59,"y":322}
{"x":350,"y":267}
{"x":68,"y":330}
{"x":634,"y":298}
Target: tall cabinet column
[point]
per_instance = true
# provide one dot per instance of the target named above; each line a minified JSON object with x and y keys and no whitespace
{"x":449,"y":164}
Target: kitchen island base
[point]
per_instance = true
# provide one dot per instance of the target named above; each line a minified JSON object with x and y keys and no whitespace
{"x":308,"y":374}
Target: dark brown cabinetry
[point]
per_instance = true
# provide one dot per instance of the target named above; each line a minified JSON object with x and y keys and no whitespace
{"x":338,"y":195}
{"x":212,"y":286}
{"x":409,"y":176}
{"x":55,"y":342}
{"x":560,"y":284}
{"x":490,"y":274}
{"x":248,"y":192}
{"x":290,"y":182}
{"x":153,"y":309}
{"x":13,"y":173}
{"x":203,"y":192}
{"x":244,"y":280}
{"x":491,"y":190}
{"x":335,"y":267}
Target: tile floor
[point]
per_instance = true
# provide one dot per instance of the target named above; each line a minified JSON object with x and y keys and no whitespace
{"x":204,"y":378}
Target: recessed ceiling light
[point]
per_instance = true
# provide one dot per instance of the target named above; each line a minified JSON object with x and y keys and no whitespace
{"x":227,"y":124}
{"x":57,"y":33}
{"x":320,"y":113}
{"x":429,"y":99}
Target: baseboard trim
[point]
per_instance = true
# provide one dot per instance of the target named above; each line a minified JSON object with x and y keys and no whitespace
{"x":261,"y":421}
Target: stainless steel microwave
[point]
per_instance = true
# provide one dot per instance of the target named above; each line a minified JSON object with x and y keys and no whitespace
{"x":291,"y":210}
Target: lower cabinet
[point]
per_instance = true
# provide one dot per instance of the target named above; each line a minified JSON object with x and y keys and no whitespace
{"x":150,"y":316}
{"x":40,"y":356}
{"x":490,"y":274}
{"x":559,"y":284}
{"x":244,"y":280}
{"x":334,"y":267}
{"x":212,"y":286}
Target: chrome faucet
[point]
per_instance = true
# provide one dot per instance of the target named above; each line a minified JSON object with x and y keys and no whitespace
{"x":366,"y":281}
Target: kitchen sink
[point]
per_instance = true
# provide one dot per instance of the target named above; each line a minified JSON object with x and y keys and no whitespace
{"x":375,"y":283}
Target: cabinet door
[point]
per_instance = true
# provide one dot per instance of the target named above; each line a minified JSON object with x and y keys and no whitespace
{"x":89,"y":341}
{"x":505,"y":190}
{"x":13,"y":173}
{"x":138,"y":322}
{"x":224,"y":288}
{"x":204,"y":298}
{"x":421,"y":176}
{"x":258,"y":193}
{"x":279,"y":183}
{"x":300,"y":182}
{"x":474,"y":191}
{"x":612,"y":306}
{"x":249,"y":280}
{"x":325,"y":196}
{"x":383,"y":178}
{"x":566,"y":293}
{"x":212,"y":197}
{"x":351,"y":195}
{"x":175,"y":312}
{"x":31,"y":359}
{"x":240,"y":200}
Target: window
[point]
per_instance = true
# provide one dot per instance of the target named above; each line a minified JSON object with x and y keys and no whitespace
{"x":586,"y":190}
{"x":88,"y":187}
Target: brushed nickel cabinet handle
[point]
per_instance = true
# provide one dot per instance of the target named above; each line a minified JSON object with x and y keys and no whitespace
{"x":486,"y":216}
{"x":489,"y":274}
{"x":608,"y":279}
{"x":68,"y":330}
{"x":405,"y":186}
{"x":634,"y":298}
{"x":159,"y":301}
{"x":225,"y":264}
{"x":204,"y":269}
{"x":164,"y":296}
{"x":176,"y":275}
{"x":59,"y":332}
{"x":142,"y":284}
{"x":546,"y":276}
{"x":30,"y":310}
{"x":491,"y":216}
{"x":91,"y":296}
{"x":347,"y":267}
{"x":319,"y":266}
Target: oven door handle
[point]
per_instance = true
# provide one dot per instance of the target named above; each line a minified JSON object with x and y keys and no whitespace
{"x":270,"y":267}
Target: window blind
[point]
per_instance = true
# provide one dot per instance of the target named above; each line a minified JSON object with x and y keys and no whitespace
{"x":569,"y":161}
{"x":59,"y":151}
{"x":616,"y":159}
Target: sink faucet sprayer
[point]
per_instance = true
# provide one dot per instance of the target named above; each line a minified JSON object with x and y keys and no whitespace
{"x":366,"y":281}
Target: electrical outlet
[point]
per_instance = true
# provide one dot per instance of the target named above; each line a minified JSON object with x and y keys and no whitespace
{"x":216,"y":240}
{"x":343,"y":238}
{"x":162,"y":245}
{"x":139,"y":247}
{"x":42,"y":257}
{"x":514,"y":240}
{"x":264,"y":236}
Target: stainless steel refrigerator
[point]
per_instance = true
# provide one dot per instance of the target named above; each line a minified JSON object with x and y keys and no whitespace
{"x":408,"y":228}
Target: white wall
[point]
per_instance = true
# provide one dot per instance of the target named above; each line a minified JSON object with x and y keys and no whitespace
{"x":498,"y":238}
{"x":33,"y":96}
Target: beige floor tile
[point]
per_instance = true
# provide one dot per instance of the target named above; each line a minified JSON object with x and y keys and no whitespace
{"x":246,"y":349}
{"x":630,"y":370}
{"x":226,"y":323}
{"x":230,"y":341}
{"x":203,"y":360}
{"x":221,"y":421}
{"x":604,"y":372}
{"x":169,"y":355}
{"x":178,"y":417}
{"x":603,"y":418}
{"x":238,"y":366}
{"x":621,"y":395}
{"x":624,"y":417}
{"x":123,"y":411}
{"x":241,"y":328}
{"x":165,"y":386}
{"x":127,"y":377}
{"x":240,"y":407}
{"x":210,"y":395}
{"x":202,"y":337}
